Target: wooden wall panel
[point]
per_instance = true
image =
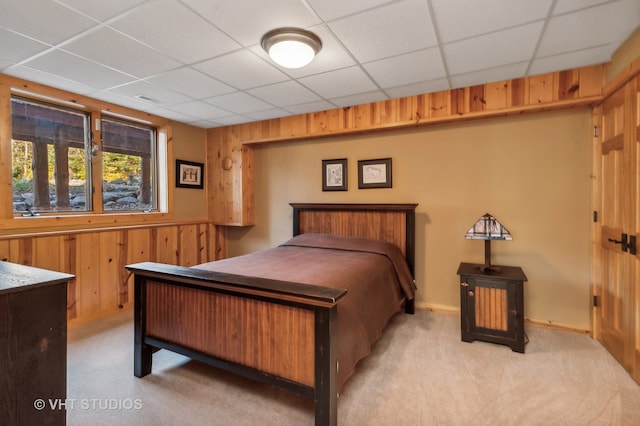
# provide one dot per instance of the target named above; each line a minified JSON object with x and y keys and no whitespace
{"x":97,"y":259}
{"x":46,"y":252}
{"x":109,"y":283}
{"x":496,"y":96}
{"x":4,"y":251}
{"x":540,"y":89}
{"x":189,"y":239}
{"x":138,"y":245}
{"x":88,"y":275}
{"x":231,"y":197}
{"x":167,"y":245}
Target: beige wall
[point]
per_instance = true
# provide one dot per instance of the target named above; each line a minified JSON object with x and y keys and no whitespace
{"x":531,"y":172}
{"x":189,"y":145}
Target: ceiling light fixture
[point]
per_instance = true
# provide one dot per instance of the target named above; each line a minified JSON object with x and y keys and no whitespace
{"x":291,"y":47}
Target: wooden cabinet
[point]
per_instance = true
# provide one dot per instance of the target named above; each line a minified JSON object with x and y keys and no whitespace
{"x":492,"y":305}
{"x":33,"y":345}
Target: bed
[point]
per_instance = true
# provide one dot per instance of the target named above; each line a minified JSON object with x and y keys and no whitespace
{"x":279,"y":315}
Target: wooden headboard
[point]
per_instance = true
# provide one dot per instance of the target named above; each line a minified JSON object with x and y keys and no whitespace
{"x":394,"y":223}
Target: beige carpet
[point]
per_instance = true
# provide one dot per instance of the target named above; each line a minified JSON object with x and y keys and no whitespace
{"x":419,"y":373}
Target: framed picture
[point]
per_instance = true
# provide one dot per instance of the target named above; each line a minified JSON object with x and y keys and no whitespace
{"x":189,"y":174}
{"x":334,"y":175}
{"x":374,"y":173}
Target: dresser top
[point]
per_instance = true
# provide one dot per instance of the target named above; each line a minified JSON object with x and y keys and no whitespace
{"x":14,"y":277}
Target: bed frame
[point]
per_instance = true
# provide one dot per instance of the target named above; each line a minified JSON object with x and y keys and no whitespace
{"x":218,"y":318}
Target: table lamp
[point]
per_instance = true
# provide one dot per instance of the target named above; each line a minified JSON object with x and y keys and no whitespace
{"x":488,"y":228}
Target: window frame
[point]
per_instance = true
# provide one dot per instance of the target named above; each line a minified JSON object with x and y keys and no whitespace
{"x":13,"y":222}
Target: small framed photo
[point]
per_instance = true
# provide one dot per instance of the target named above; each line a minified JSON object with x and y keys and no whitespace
{"x":334,"y":175}
{"x":189,"y":174}
{"x":374,"y":173}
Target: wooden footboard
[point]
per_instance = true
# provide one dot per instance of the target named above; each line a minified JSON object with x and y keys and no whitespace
{"x":232,"y":322}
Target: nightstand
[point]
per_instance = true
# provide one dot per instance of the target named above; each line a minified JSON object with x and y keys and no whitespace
{"x":492,"y":304}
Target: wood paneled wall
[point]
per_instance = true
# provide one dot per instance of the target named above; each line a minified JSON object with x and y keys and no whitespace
{"x":97,"y":259}
{"x":230,"y":151}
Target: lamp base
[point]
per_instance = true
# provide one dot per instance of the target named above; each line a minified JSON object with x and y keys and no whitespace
{"x":489,"y":268}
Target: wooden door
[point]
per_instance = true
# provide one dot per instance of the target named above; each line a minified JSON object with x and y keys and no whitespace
{"x":616,"y":314}
{"x":634,"y":128}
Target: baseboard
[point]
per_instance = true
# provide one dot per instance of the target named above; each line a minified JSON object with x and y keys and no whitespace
{"x":75,"y":322}
{"x":438,"y":308}
{"x":528,"y":321}
{"x":557,"y":326}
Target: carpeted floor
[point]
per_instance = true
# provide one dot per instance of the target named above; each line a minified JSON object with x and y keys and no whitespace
{"x":419,"y":373}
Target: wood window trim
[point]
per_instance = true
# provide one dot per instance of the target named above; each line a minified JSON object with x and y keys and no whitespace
{"x":11,"y":223}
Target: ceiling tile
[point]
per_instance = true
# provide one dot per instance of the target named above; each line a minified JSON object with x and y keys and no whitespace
{"x":491,"y":75}
{"x":332,"y":9}
{"x":154,"y":94}
{"x":242,"y":70}
{"x":564,"y":6}
{"x":460,"y":19}
{"x":268,"y":114}
{"x":358,"y":99}
{"x":204,"y":124}
{"x":173,"y":115}
{"x":114,"y":50}
{"x":122,"y":100}
{"x":347,"y":81}
{"x":5,"y":63}
{"x":201,"y":110}
{"x":102,"y":10}
{"x":590,"y":27}
{"x":387,"y":31}
{"x":248,"y":20}
{"x":78,"y":69}
{"x":191,"y":83}
{"x":309,"y":107}
{"x":232,"y":119}
{"x":239,"y":102}
{"x":172,"y":28}
{"x":491,"y":50}
{"x":49,"y":79}
{"x":563,"y":61}
{"x":15,"y":48}
{"x":417,"y":88}
{"x":41,"y":19}
{"x":413,"y":67}
{"x":285,"y":93}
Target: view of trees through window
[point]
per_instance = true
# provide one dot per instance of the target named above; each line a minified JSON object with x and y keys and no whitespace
{"x":49,"y":165}
{"x":128,"y":159}
{"x":51,"y":161}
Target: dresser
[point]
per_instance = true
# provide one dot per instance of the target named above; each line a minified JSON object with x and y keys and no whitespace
{"x":33,"y":345}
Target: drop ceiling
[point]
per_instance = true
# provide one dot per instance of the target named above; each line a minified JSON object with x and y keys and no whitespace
{"x":200,"y":61}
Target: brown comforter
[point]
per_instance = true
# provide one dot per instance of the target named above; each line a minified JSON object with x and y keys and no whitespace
{"x":374,"y":273}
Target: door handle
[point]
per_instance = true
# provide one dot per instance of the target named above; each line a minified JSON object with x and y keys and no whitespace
{"x":627,"y":243}
{"x":632,"y":245}
{"x":622,"y":242}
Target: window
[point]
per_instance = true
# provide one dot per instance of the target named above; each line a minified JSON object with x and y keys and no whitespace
{"x":50,"y":167}
{"x":128,"y":159}
{"x":53,"y":153}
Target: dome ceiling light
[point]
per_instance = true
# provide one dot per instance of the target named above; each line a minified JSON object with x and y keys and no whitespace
{"x":291,"y":47}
